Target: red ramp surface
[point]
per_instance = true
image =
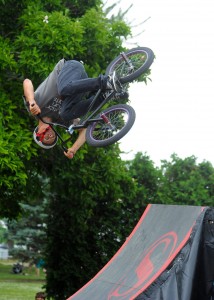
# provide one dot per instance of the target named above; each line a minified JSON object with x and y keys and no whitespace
{"x":157,"y":239}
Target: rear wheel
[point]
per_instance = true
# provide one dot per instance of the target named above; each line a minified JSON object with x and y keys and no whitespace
{"x":131,"y":64}
{"x":116,"y":122}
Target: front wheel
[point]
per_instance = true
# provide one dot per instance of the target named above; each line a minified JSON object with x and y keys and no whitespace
{"x":131,"y":64}
{"x":114,"y":122}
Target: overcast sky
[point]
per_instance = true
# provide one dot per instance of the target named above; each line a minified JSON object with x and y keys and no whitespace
{"x":174,"y":111}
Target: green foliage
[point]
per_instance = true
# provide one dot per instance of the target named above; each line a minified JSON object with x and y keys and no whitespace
{"x":78,"y":8}
{"x":3,"y":233}
{"x":34,"y":36}
{"x":120,"y":14}
{"x":179,"y":181}
{"x":88,"y":225}
{"x":28,"y":233}
{"x":9,"y":14}
{"x":42,"y":44}
{"x":6,"y":56}
{"x":147,"y":177}
{"x":186,"y":182}
{"x":14,"y":151}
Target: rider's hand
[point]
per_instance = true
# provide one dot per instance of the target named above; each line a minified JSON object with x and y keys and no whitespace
{"x":70,"y":153}
{"x":34,"y":108}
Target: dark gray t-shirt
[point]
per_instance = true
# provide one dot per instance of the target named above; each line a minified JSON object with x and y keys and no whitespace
{"x":46,"y":95}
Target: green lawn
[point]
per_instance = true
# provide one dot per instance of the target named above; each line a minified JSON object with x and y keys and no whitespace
{"x":22,"y":286}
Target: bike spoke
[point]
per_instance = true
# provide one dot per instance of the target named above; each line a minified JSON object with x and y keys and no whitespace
{"x":123,"y":69}
{"x":103,"y":131}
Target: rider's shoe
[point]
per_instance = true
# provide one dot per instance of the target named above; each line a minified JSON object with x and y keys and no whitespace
{"x":76,"y":121}
{"x":113,"y":83}
{"x":122,"y":95}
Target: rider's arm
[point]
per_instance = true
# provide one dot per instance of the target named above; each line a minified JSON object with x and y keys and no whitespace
{"x":79,"y":142}
{"x":29,"y":96}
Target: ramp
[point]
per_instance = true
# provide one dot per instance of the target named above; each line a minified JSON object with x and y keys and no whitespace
{"x":150,"y":258}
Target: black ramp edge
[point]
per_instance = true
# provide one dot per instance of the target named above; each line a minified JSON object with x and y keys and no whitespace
{"x":159,"y":236}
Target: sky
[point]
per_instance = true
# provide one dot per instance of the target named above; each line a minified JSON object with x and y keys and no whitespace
{"x":175,"y":111}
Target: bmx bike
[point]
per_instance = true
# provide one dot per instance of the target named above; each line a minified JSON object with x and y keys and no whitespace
{"x":105,"y":126}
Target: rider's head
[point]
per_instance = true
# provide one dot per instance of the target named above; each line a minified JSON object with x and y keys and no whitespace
{"x":45,"y":138}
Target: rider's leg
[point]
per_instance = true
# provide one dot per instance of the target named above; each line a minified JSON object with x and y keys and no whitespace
{"x":72,"y":84}
{"x":73,"y":80}
{"x":74,"y":109}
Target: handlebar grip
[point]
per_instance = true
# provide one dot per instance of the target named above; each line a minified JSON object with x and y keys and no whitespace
{"x":38,"y":115}
{"x":32,"y":105}
{"x":65,"y":149}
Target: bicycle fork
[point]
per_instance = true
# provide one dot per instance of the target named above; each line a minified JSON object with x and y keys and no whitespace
{"x":128,"y":61}
{"x":106,"y":120}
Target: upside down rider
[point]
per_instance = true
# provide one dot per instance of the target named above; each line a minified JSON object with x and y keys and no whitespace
{"x":61,"y":97}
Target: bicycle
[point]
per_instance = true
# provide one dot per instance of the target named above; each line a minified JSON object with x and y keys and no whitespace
{"x":105,"y":126}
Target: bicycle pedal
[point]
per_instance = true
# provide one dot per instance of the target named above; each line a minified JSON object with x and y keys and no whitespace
{"x":70,"y":129}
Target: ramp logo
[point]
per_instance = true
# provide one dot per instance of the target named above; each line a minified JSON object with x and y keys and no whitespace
{"x":148,"y":267}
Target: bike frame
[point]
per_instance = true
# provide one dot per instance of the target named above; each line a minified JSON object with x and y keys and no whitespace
{"x":85,"y":120}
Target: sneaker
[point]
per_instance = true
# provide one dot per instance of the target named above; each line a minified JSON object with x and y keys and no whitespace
{"x":122,"y":95}
{"x":113,"y":83}
{"x":73,"y":122}
{"x":76,"y":121}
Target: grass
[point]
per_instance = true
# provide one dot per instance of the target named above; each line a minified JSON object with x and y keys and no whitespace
{"x":22,"y":286}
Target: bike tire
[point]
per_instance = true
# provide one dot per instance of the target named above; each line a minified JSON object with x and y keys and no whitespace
{"x":121,"y":116}
{"x":141,"y":59}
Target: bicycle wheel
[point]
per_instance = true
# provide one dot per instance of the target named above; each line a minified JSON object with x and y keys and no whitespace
{"x":131,"y":64}
{"x":121,"y":118}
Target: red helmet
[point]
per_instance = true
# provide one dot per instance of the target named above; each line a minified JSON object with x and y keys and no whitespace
{"x":38,"y":138}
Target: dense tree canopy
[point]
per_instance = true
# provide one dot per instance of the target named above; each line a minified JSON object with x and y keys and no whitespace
{"x":147,"y":177}
{"x":34,"y":36}
{"x":28,"y":234}
{"x":88,"y":218}
{"x":186,"y":182}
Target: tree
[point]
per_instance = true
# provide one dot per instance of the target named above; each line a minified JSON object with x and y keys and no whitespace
{"x":34,"y":36}
{"x":186,"y":182}
{"x":3,"y":232}
{"x":147,"y":177}
{"x":86,"y":220}
{"x":28,"y":233}
{"x":15,"y":140}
